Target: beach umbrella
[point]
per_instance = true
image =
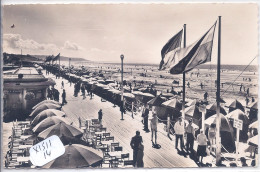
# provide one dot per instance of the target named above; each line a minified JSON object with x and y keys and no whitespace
{"x":253,"y":106}
{"x":129,"y":95}
{"x":157,"y":101}
{"x":253,"y":141}
{"x":148,"y":95}
{"x":112,"y":84}
{"x":238,"y":114}
{"x":61,"y":129}
{"x":77,"y":156}
{"x":235,"y":105}
{"x":254,"y":125}
{"x":137,"y":93}
{"x":172,"y":103}
{"x":167,"y":95}
{"x":142,"y":89}
{"x":44,"y":107}
{"x":115,"y":91}
{"x":46,"y":101}
{"x":46,"y":123}
{"x":46,"y":113}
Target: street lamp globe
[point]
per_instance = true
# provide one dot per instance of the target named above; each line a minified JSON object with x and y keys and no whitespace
{"x":122,"y":57}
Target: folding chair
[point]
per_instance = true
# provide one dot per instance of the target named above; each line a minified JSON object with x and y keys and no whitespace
{"x":128,"y":162}
{"x":110,"y":138}
{"x":113,"y":145}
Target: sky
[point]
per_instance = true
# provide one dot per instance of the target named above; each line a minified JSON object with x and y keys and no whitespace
{"x":102,"y":32}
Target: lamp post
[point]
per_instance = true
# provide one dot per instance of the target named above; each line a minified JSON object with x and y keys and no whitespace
{"x":122,"y":88}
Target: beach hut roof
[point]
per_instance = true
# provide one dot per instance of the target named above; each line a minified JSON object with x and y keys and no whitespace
{"x":224,"y":125}
{"x":172,"y":103}
{"x":236,"y":105}
{"x":253,"y":106}
{"x":238,"y":114}
{"x":213,"y":107}
{"x":157,"y":101}
{"x":193,"y":111}
{"x":254,"y":125}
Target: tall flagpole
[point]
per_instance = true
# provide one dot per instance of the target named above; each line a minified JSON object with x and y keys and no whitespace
{"x":183,"y":79}
{"x":218,"y":139}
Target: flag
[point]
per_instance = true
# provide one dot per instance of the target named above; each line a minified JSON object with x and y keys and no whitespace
{"x":185,"y":59}
{"x":169,"y":49}
{"x":56,"y":58}
{"x":48,"y":58}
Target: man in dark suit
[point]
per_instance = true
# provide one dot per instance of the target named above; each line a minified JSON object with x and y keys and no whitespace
{"x":135,"y":142}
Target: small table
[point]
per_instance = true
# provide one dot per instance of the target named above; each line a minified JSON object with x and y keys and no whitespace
{"x":107,"y":142}
{"x":24,"y":146}
{"x":17,"y":152}
{"x":23,"y":159}
{"x":116,"y":154}
{"x":98,"y":133}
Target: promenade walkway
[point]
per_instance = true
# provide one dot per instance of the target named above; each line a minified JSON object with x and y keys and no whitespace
{"x":123,"y":130}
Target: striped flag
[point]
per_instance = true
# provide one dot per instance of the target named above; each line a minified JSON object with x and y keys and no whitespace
{"x":169,"y":50}
{"x":56,"y":58}
{"x":185,"y":59}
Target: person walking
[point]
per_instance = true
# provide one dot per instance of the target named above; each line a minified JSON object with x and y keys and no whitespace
{"x":202,"y":145}
{"x":154,"y":122}
{"x":212,"y":136}
{"x":140,"y":155}
{"x":64,"y":101}
{"x":206,"y":96}
{"x":135,"y":142}
{"x":83,"y":91}
{"x":190,"y":136}
{"x":62,"y":84}
{"x":57,"y":95}
{"x":48,"y":93}
{"x":100,"y":115}
{"x":179,"y":131}
{"x":146,"y":117}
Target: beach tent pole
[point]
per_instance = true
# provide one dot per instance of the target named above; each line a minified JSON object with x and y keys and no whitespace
{"x":183,"y":79}
{"x":218,"y":139}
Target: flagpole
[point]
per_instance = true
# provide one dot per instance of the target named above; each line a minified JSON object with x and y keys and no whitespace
{"x":218,"y":138}
{"x":59,"y":67}
{"x":183,"y":79}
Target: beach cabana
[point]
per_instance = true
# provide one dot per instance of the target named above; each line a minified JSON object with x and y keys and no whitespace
{"x":194,"y":113}
{"x":77,"y":156}
{"x":44,"y":107}
{"x":253,"y":112}
{"x":211,"y":109}
{"x":226,"y":131}
{"x":157,"y":101}
{"x":254,"y":125}
{"x":253,"y":141}
{"x":235,"y":105}
{"x":238,"y":114}
{"x":193,"y":102}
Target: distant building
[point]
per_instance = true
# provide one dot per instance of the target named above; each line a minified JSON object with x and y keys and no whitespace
{"x":23,"y":89}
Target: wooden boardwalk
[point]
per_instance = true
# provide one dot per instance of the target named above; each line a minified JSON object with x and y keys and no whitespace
{"x":124,"y":130}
